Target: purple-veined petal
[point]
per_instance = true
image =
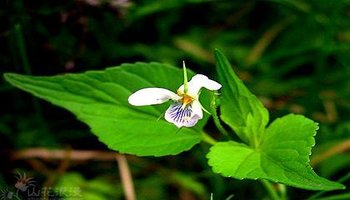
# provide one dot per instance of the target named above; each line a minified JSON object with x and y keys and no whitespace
{"x":151,"y":96}
{"x":186,"y":116}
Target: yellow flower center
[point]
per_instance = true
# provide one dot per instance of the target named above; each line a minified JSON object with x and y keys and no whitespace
{"x":186,"y":99}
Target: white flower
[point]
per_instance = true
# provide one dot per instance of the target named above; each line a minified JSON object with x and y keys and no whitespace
{"x":186,"y":109}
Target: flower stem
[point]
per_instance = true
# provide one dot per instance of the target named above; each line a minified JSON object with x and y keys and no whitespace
{"x":268,"y":186}
{"x":208,"y":139}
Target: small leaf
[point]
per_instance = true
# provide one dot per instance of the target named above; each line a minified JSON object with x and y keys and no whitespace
{"x":283,"y":156}
{"x":240,"y":109}
{"x":99,"y":98}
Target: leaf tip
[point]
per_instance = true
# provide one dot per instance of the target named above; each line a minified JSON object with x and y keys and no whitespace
{"x":217,"y":52}
{"x":7,"y":76}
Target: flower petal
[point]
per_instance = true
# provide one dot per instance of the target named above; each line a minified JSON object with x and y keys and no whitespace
{"x":186,"y":116}
{"x":197,"y":109}
{"x":199,"y":81}
{"x":151,"y":96}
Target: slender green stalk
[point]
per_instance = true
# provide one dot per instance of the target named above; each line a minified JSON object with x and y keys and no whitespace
{"x":22,"y":48}
{"x":345,"y":196}
{"x":272,"y":192}
{"x":208,"y":139}
{"x":185,"y":77}
{"x":282,"y":191}
{"x":216,"y":117}
{"x":318,"y":194}
{"x":26,"y":67}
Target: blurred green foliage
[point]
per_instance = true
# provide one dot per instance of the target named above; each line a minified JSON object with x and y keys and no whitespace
{"x":295,"y":55}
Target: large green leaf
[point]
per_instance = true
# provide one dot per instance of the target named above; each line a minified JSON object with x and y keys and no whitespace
{"x":240,"y":109}
{"x":99,"y":98}
{"x":283,"y":156}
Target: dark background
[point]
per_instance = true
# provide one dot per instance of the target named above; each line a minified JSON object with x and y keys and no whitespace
{"x":294,"y":55}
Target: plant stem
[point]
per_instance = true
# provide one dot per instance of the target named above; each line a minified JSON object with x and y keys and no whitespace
{"x":208,"y":139}
{"x":270,"y":189}
{"x":22,"y":48}
{"x":283,"y":191}
{"x":344,"y":196}
{"x":216,"y":117}
{"x":126,"y":177}
{"x":318,"y":194}
{"x":21,"y":45}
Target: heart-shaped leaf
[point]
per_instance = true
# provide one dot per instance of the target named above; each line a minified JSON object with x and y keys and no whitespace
{"x":279,"y":153}
{"x":282,"y":157}
{"x":99,"y":98}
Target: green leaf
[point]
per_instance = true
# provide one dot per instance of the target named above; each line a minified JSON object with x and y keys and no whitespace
{"x":283,"y":156}
{"x":99,"y":98}
{"x":240,"y":109}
